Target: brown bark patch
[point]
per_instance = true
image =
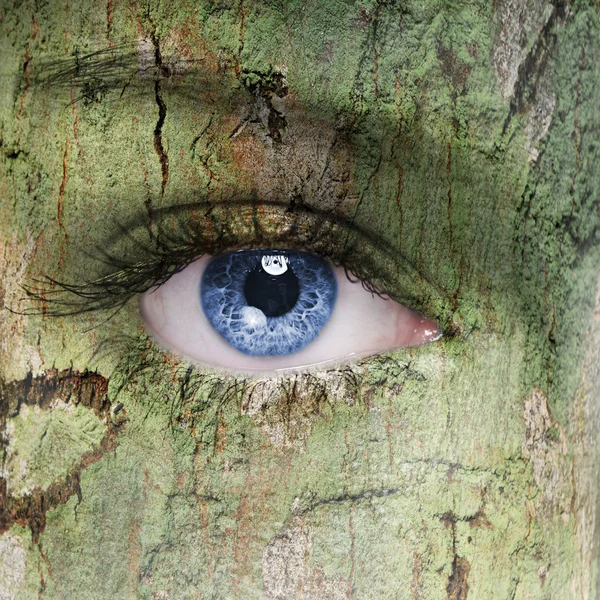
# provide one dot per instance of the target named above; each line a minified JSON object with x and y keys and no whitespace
{"x":416,"y":587}
{"x":287,"y":409}
{"x":458,"y":584}
{"x":518,"y":22}
{"x":271,"y":88}
{"x":288,"y":573}
{"x":68,"y":386}
{"x":457,"y":587}
{"x":452,"y":67}
{"x":545,"y":446}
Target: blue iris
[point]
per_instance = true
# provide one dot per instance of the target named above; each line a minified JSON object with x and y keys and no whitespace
{"x":268,"y":302}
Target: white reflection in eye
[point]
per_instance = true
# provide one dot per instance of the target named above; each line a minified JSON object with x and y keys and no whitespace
{"x":272,"y":310}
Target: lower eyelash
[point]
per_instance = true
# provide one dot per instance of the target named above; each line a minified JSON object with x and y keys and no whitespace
{"x":195,"y":400}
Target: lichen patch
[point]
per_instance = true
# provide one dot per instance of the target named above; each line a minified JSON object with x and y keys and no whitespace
{"x":45,"y":444}
{"x":13,"y":560}
{"x":53,"y":427}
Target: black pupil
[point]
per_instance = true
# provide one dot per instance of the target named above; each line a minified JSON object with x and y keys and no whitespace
{"x":275,"y":295}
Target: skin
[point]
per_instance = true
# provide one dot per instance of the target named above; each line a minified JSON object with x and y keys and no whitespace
{"x":465,"y":137}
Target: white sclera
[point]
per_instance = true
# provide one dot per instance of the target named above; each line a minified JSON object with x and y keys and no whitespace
{"x":361,"y":324}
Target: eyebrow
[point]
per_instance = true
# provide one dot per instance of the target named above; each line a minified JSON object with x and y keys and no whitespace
{"x":116,"y":68}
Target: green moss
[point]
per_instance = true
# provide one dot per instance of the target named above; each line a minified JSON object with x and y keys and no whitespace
{"x":46,"y":444}
{"x":415,"y":476}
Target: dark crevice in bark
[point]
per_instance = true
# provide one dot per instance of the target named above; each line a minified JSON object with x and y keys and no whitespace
{"x":72,"y":387}
{"x":201,"y":135}
{"x":46,"y":560}
{"x":205,"y":156}
{"x":109,"y":18}
{"x":457,"y":587}
{"x":61,"y":191}
{"x":534,"y":66}
{"x":343,"y":498}
{"x":162,"y":71}
{"x":148,"y":200}
{"x":12,"y":153}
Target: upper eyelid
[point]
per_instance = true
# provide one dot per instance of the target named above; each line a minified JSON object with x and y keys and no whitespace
{"x":183,"y":233}
{"x":117,"y":66}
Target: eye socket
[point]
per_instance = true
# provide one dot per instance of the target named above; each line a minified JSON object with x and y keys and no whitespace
{"x":264,"y":310}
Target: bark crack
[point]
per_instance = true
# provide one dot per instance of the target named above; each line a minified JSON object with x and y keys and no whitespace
{"x":352,"y":498}
{"x":162,"y":70}
{"x":109,"y":18}
{"x":457,"y":587}
{"x":63,"y":185}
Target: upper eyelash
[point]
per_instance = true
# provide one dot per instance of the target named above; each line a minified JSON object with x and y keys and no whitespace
{"x":174,"y":243}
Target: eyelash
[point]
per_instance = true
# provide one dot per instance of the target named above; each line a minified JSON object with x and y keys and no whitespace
{"x":171,"y":247}
{"x":128,"y":280}
{"x":195,"y":400}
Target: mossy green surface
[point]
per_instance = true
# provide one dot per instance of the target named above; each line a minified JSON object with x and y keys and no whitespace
{"x":451,"y":471}
{"x":46,"y":445}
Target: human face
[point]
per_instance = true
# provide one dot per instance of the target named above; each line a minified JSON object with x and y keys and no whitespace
{"x":462,"y":140}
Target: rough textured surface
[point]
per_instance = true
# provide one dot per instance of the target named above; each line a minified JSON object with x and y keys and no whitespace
{"x":55,"y":426}
{"x":522,"y":23}
{"x":12,"y":565}
{"x":44,"y":445}
{"x":465,"y":136}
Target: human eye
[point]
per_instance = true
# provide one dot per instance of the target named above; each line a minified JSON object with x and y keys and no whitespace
{"x":257,"y":288}
{"x":259,"y":310}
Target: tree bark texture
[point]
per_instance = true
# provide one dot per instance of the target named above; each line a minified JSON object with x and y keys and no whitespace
{"x":463,"y":135}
